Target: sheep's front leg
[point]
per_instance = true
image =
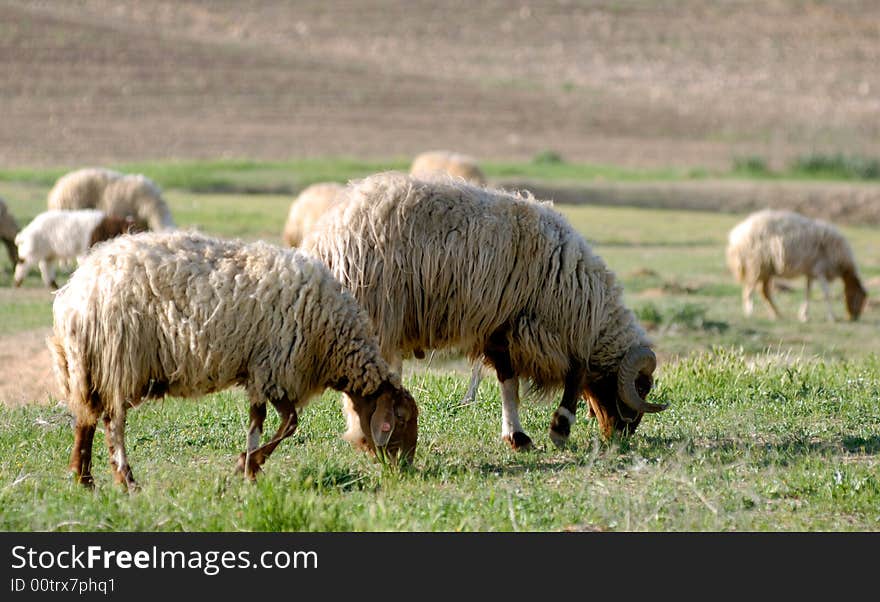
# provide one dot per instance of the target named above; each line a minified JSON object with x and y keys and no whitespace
{"x":498,"y":354}
{"x":564,"y":416}
{"x":254,"y":434}
{"x":287,"y":413}
{"x":47,"y":270}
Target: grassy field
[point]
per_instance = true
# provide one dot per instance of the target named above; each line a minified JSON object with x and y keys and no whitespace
{"x":772,"y":426}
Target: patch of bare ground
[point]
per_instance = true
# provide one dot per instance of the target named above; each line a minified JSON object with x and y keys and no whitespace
{"x":27,"y":369}
{"x":630,"y":83}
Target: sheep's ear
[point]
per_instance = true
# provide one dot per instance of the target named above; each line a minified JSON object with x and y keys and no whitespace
{"x":382,"y":421}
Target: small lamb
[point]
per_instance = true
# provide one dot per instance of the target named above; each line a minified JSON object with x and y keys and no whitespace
{"x":56,"y":235}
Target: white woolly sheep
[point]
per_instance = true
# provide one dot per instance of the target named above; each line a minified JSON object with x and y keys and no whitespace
{"x":182,"y":314}
{"x":431,"y":163}
{"x":309,"y":205}
{"x":446,"y":264}
{"x":8,"y":230}
{"x":113,"y":192}
{"x":773,"y":243}
{"x":64,"y":236}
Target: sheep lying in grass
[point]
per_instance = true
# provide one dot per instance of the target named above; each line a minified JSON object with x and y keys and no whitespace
{"x":55,"y":236}
{"x":772,"y":243}
{"x":8,"y":230}
{"x":182,"y":314}
{"x":431,"y":163}
{"x":311,"y":203}
{"x":113,"y":192}
{"x":446,"y":264}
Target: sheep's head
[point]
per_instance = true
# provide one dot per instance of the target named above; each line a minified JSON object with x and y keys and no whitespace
{"x":389,"y":421}
{"x":856,"y":296}
{"x":619,"y":400}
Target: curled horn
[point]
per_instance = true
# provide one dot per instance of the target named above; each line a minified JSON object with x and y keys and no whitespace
{"x":638,"y":360}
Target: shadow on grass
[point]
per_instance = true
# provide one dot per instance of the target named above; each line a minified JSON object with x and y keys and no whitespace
{"x":619,"y":454}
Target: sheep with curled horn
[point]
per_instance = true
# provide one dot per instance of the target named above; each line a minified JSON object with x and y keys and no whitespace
{"x":443,"y":264}
{"x":777,"y":243}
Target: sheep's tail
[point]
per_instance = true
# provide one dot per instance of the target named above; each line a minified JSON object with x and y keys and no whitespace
{"x":735,"y":263}
{"x":59,"y":365}
{"x":73,"y":383}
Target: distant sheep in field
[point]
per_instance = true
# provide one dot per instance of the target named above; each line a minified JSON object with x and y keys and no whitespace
{"x":311,"y":203}
{"x":56,"y":235}
{"x":8,"y":230}
{"x":432,"y":163}
{"x":113,"y":192}
{"x":772,"y":243}
{"x":444,"y":264}
{"x":179,"y":313}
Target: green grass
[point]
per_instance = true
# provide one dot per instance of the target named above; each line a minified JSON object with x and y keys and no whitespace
{"x":748,"y":444}
{"x":772,"y":425}
{"x":240,"y":176}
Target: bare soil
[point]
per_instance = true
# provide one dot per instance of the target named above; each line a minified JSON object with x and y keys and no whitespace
{"x":684,"y":83}
{"x":27,"y":368}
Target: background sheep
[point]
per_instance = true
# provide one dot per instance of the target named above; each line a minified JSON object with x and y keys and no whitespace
{"x":431,"y":163}
{"x":183,"y":314}
{"x":8,"y":230}
{"x":55,"y":235}
{"x":774,"y":243}
{"x":113,"y":192}
{"x":311,"y":203}
{"x":446,"y":264}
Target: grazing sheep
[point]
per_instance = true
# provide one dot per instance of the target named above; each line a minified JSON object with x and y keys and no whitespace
{"x":182,"y":314}
{"x":113,"y":192}
{"x":431,"y":163}
{"x":311,"y":203}
{"x":446,"y":264}
{"x":772,"y":243}
{"x":64,"y":236}
{"x":8,"y":230}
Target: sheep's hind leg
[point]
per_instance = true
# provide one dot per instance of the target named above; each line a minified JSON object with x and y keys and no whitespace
{"x":826,"y":292}
{"x":766,"y":286}
{"x":748,"y":306}
{"x":119,"y":461}
{"x":81,"y":454}
{"x":474,"y":386}
{"x":498,"y":354}
{"x":804,"y":313}
{"x":564,"y":416}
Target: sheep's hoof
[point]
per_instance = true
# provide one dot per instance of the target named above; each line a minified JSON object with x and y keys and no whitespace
{"x":560,"y":429}
{"x":253,"y":469}
{"x":519,"y":441}
{"x":86,"y":481}
{"x":560,"y":440}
